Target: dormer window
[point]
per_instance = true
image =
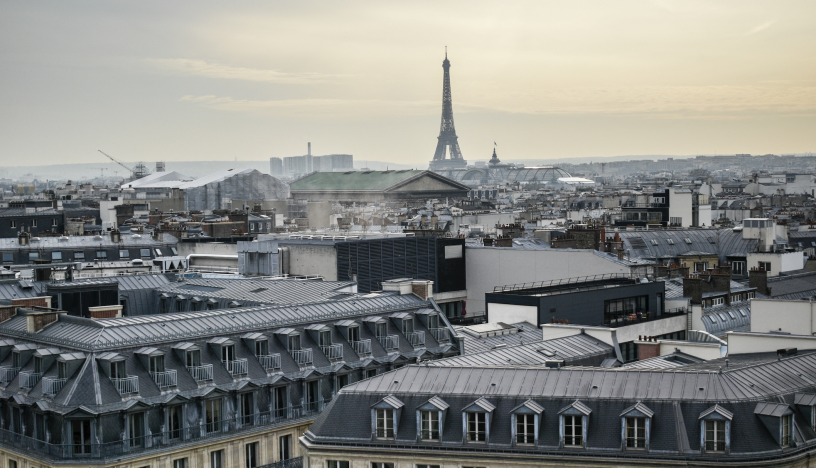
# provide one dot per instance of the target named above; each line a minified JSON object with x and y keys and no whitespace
{"x":525,"y":429}
{"x":635,"y":432}
{"x":227,"y":353}
{"x":261,"y":348}
{"x":573,"y":420}
{"x":38,"y":364}
{"x":525,"y":420}
{"x":62,"y":370}
{"x":785,"y":422}
{"x":293,"y":342}
{"x":156,"y":364}
{"x":385,"y":424}
{"x":477,"y":420}
{"x":325,"y":338}
{"x":433,"y":321}
{"x":193,"y":358}
{"x":380,"y":330}
{"x":354,"y":334}
{"x":636,"y":421}
{"x":715,"y":426}
{"x":407,"y":326}
{"x":429,"y":425}
{"x":117,"y":370}
{"x":15,"y":359}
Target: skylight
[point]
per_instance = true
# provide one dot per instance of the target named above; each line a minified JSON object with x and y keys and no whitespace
{"x":670,"y":241}
{"x":688,"y":241}
{"x":654,"y":241}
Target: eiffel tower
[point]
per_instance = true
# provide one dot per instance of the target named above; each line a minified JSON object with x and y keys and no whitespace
{"x":448,"y":141}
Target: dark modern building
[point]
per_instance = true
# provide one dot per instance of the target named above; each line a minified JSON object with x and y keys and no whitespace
{"x":33,"y":220}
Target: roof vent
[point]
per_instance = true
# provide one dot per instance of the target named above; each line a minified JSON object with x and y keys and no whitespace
{"x":546,"y":352}
{"x":554,"y":363}
{"x":63,"y":238}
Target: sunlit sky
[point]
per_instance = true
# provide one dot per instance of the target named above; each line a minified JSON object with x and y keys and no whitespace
{"x":206,"y":80}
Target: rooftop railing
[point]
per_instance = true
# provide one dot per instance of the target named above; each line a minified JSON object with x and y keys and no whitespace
{"x":28,"y":379}
{"x":237,"y":367}
{"x":7,"y":374}
{"x":168,"y":378}
{"x":362,"y":348}
{"x":127,"y":385}
{"x":564,"y":282}
{"x":270,"y":362}
{"x":635,"y":317}
{"x":303,"y":357}
{"x":201,"y":373}
{"x":334,"y":352}
{"x":416,"y":338}
{"x":441,"y":335}
{"x":51,"y":386}
{"x":389,"y":342}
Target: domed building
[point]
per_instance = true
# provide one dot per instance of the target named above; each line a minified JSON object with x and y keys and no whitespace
{"x":498,"y":172}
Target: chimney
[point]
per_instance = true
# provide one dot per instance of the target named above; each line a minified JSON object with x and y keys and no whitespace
{"x":105,"y":312}
{"x":692,"y":287}
{"x":115,"y":236}
{"x":422,"y":288}
{"x":648,"y":349}
{"x":7,"y":312}
{"x":22,"y":238}
{"x":43,"y":301}
{"x":37,"y":319}
{"x":758,"y":278}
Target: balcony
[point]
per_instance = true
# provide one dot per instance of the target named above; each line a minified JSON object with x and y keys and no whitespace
{"x":165,"y":379}
{"x":441,"y":335}
{"x":362,"y":348}
{"x":416,"y":338}
{"x":333,"y":352}
{"x":52,"y":386}
{"x":8,"y":373}
{"x":270,"y":362}
{"x":237,"y":367}
{"x":303,"y":357}
{"x":634,"y":318}
{"x":29,"y":379}
{"x":201,"y":373}
{"x":389,"y":342}
{"x":127,"y":385}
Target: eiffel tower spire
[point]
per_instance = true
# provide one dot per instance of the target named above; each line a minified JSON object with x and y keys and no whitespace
{"x":448,"y":141}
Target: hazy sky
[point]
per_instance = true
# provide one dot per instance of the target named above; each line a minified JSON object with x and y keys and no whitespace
{"x":202,"y":80}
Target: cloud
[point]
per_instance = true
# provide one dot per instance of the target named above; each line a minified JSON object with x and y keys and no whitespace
{"x":225,"y":72}
{"x":760,"y":28}
{"x":317,"y":107}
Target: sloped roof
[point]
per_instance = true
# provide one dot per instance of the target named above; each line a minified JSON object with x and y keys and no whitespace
{"x":364,"y":181}
{"x":702,"y":240}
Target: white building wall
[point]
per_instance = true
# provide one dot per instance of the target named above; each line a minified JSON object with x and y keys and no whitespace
{"x":488,"y":267}
{"x":511,"y":313}
{"x":743,"y":342}
{"x":680,"y":206}
{"x":770,"y":315}
{"x":780,"y":262}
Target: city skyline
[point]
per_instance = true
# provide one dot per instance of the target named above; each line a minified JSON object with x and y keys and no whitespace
{"x":546,"y":81}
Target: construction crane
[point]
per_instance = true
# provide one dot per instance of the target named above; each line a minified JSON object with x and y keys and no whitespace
{"x":138,"y":171}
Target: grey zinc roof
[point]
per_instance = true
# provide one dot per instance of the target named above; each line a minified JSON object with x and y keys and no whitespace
{"x":639,"y":406}
{"x":701,"y":241}
{"x":580,"y":349}
{"x":263,"y":291}
{"x":89,"y":242}
{"x":717,"y":409}
{"x":765,"y":408}
{"x":719,"y":320}
{"x":527,"y":333}
{"x":89,"y":335}
{"x":805,"y":399}
{"x":791,"y":285}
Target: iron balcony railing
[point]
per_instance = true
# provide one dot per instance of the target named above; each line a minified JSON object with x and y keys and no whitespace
{"x":127,"y":385}
{"x":389,"y":342}
{"x":225,"y":427}
{"x":441,"y":335}
{"x":270,"y":362}
{"x":334,"y":352}
{"x":52,"y":386}
{"x":168,"y":378}
{"x":362,"y":348}
{"x":237,"y":367}
{"x":28,"y":379}
{"x":201,"y":373}
{"x":7,"y":374}
{"x":290,"y":463}
{"x":634,"y":317}
{"x":416,"y":338}
{"x":303,"y":357}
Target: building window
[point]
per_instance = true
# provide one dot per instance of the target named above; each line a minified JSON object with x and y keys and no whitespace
{"x":8,"y":257}
{"x":174,"y":422}
{"x":477,"y":427}
{"x":173,"y":249}
{"x":180,"y":463}
{"x":33,"y":256}
{"x":718,"y":301}
{"x":251,"y":227}
{"x":786,"y":430}
{"x":285,"y":447}
{"x":573,"y":430}
{"x":12,"y":464}
{"x":101,"y":254}
{"x":212,"y":409}
{"x":81,"y":436}
{"x":13,"y":223}
{"x":627,"y":309}
{"x":370,"y":373}
{"x":124,"y":254}
{"x":751,"y":295}
{"x":217,"y":459}
{"x":700,"y":266}
{"x":252,"y":455}
{"x":54,"y":222}
{"x":385,"y":424}
{"x":79,"y":255}
{"x":381,"y":465}
{"x":429,"y":422}
{"x":158,"y":252}
{"x":636,"y":432}
{"x":525,"y":429}
{"x":136,"y":427}
{"x":765,"y":266}
{"x":56,"y":256}
{"x":738,"y":268}
{"x":33,"y":223}
{"x":715,"y":436}
{"x":337,"y":464}
{"x":145,"y":253}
